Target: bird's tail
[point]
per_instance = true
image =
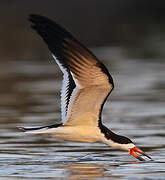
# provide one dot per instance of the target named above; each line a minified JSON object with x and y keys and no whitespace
{"x":39,"y":130}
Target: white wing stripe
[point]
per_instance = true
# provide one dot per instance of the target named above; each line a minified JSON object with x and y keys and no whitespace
{"x":78,"y":85}
{"x":65,"y":83}
{"x":71,"y":102}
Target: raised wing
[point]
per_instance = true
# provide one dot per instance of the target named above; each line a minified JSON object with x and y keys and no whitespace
{"x":87,"y":82}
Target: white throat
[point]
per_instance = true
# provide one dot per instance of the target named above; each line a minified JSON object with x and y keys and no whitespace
{"x":125,"y":147}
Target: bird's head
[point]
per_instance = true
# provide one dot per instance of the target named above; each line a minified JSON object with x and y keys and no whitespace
{"x":124,"y":143}
{"x":121,"y":142}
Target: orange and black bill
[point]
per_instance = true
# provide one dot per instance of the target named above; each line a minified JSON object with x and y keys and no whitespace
{"x":133,"y":153}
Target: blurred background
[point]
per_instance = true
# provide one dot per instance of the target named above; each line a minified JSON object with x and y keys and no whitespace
{"x":137,"y":25}
{"x":128,"y":36}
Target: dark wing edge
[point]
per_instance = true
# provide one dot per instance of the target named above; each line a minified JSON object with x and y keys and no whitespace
{"x":67,"y":51}
{"x":53,"y":35}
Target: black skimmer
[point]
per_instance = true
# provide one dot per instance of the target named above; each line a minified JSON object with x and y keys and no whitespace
{"x":85,"y":88}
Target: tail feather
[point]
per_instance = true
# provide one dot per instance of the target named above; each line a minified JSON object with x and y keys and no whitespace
{"x":38,"y":130}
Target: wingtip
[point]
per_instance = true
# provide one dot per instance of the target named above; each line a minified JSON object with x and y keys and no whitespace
{"x":37,"y":17}
{"x":30,"y":16}
{"x":34,"y":17}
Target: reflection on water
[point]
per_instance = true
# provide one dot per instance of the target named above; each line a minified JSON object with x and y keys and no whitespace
{"x":79,"y":171}
{"x":29,"y":95}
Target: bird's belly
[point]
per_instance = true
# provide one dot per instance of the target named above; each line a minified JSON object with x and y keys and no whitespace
{"x":77,"y":133}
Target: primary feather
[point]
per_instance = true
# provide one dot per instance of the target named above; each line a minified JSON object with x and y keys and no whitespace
{"x":86,"y":81}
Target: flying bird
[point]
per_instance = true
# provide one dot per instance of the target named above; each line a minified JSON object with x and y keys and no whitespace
{"x":86,"y":85}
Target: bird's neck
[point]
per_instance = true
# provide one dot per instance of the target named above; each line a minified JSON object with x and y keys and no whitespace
{"x":108,"y":134}
{"x":113,"y":139}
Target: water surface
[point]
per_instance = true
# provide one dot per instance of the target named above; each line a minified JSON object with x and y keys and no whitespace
{"x":29,"y":95}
